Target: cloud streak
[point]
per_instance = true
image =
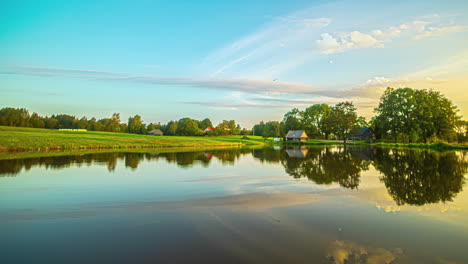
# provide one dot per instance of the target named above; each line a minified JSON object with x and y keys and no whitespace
{"x":232,"y":84}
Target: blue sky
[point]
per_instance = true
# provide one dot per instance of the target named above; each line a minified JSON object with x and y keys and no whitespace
{"x":242,"y":60}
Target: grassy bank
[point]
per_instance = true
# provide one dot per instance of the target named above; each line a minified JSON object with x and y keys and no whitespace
{"x":436,"y":146}
{"x":33,"y":139}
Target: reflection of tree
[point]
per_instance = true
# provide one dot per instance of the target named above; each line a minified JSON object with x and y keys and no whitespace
{"x":419,"y":177}
{"x":327,"y":165}
{"x":131,"y":160}
{"x":269,"y":155}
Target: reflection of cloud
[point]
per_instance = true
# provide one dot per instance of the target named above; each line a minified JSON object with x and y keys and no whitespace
{"x":349,"y":252}
{"x":252,"y":201}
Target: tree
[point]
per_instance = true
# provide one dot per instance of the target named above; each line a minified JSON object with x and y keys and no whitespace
{"x":344,"y":117}
{"x":271,"y":129}
{"x":188,"y":127}
{"x":36,"y":121}
{"x":134,"y":124}
{"x":292,"y":120}
{"x":113,"y":123}
{"x":171,"y":128}
{"x":83,"y":123}
{"x":314,"y":120}
{"x":205,"y":123}
{"x":415,"y":115}
{"x":18,"y":117}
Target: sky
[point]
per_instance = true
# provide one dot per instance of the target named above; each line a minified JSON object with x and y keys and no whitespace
{"x":247,"y":60}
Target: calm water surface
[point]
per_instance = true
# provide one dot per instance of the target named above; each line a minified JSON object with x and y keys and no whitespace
{"x":296,"y":205}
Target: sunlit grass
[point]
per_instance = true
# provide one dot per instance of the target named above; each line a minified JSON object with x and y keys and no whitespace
{"x":34,"y":139}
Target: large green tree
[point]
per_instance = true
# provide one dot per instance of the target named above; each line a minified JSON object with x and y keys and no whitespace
{"x":188,"y":127}
{"x":314,"y":120}
{"x":292,"y":120}
{"x":344,"y":119}
{"x":134,"y":124}
{"x":412,"y":115}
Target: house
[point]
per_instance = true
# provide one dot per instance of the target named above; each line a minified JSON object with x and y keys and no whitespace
{"x":209,"y":129}
{"x":155,"y":132}
{"x":297,"y":135}
{"x":364,"y":133}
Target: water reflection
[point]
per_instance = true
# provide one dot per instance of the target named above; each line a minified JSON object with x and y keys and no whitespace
{"x":421,"y":177}
{"x":414,"y":177}
{"x":326,"y":165}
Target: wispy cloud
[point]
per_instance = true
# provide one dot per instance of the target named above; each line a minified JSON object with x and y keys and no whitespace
{"x":267,"y":52}
{"x":235,"y":106}
{"x":230,"y":84}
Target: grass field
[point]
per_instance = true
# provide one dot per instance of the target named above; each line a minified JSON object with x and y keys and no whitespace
{"x":34,"y":139}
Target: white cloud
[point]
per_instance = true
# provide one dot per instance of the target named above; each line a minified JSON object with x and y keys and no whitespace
{"x":343,"y":41}
{"x":346,"y":41}
{"x":329,"y":44}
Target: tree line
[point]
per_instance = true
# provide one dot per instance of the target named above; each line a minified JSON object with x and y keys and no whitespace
{"x":20,"y":117}
{"x":318,"y":121}
{"x":403,"y":115}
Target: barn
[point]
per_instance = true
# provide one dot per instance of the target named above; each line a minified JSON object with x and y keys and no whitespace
{"x":296,"y":135}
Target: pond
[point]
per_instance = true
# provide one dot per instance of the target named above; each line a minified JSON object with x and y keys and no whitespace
{"x":261,"y":205}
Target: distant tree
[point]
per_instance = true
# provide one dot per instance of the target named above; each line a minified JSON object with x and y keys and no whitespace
{"x":171,"y":128}
{"x":292,"y":120}
{"x":205,"y":123}
{"x":51,"y":123}
{"x":36,"y":121}
{"x":113,"y":124}
{"x":188,"y":127}
{"x":83,"y":123}
{"x":245,"y":132}
{"x":461,"y":128}
{"x":134,"y":124}
{"x":65,"y":121}
{"x":18,"y":117}
{"x":257,"y":129}
{"x":345,"y":117}
{"x":271,"y":129}
{"x":314,"y":120}
{"x":152,"y":126}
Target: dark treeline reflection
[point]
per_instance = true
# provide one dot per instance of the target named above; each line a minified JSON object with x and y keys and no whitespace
{"x":421,"y":177}
{"x":131,"y":160}
{"x":414,"y":177}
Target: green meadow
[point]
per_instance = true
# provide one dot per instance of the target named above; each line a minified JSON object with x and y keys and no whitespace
{"x":35,"y":139}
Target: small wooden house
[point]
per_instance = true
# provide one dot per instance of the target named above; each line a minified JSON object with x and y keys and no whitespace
{"x":365,"y":133}
{"x":297,"y":135}
{"x":155,"y":132}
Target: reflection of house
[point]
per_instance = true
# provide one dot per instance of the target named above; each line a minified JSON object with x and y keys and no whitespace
{"x":296,"y":135}
{"x":209,"y":129}
{"x":297,"y":152}
{"x":208,"y":155}
{"x":155,"y":132}
{"x":364,"y":133}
